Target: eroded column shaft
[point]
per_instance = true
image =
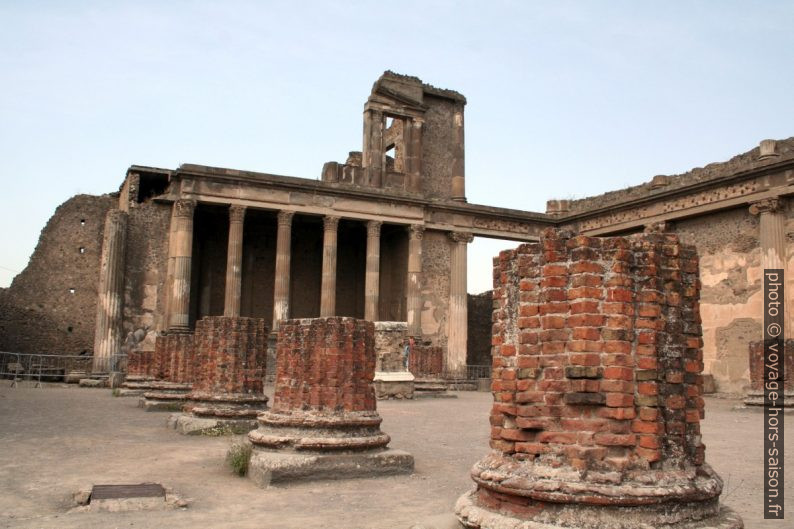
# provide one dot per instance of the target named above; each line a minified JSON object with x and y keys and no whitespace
{"x":328,"y":289}
{"x":372,"y":276}
{"x":234,"y":261}
{"x":183,"y":252}
{"x":414,"y":286}
{"x":458,"y":307}
{"x":283,"y":252}
{"x":772,"y":228}
{"x":108,"y":332}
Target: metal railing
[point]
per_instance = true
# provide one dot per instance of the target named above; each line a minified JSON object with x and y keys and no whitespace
{"x":54,"y":368}
{"x":472,"y":373}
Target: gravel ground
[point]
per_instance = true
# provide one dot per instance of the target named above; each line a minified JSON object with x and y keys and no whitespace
{"x":57,"y":439}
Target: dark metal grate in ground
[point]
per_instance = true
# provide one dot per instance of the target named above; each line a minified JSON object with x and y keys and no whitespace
{"x":141,"y":490}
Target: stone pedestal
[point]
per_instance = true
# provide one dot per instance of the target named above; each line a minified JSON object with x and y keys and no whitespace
{"x":323,"y":424}
{"x":755,"y":395}
{"x":173,"y":371}
{"x":597,"y":391}
{"x":229,"y":368}
{"x":392,"y":378}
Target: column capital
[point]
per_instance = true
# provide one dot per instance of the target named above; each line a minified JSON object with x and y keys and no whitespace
{"x":330,"y":223}
{"x":285,"y":217}
{"x":236,"y":213}
{"x":373,"y":228}
{"x":416,"y":231}
{"x":461,"y":236}
{"x":767,"y":205}
{"x":184,"y":208}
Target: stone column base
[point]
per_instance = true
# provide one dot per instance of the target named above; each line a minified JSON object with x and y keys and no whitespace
{"x":163,"y":400}
{"x":312,"y":446}
{"x":207,"y":414}
{"x":580,"y":516}
{"x":272,"y":466}
{"x":135,"y":388}
{"x":756,"y":398}
{"x":393,"y":385}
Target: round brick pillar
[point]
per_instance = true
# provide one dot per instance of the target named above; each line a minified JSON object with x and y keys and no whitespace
{"x":323,"y":423}
{"x":229,"y":370}
{"x":597,"y":390}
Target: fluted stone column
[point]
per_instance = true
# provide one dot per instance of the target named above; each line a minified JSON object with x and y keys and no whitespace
{"x":372,"y":276}
{"x":283,"y":254}
{"x":373,"y":147}
{"x":183,"y":253}
{"x":413,"y":288}
{"x":458,"y":304}
{"x":165,"y":319}
{"x":328,"y":289}
{"x":107,"y":335}
{"x":413,"y":144}
{"x":234,"y":261}
{"x":772,"y":226}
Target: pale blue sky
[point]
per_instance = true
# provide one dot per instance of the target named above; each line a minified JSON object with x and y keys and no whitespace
{"x":565,"y":99}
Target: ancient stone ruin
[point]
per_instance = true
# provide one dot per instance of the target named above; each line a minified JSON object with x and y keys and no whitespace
{"x":755,"y":394}
{"x":229,"y":358}
{"x":392,"y":379}
{"x":323,"y":423}
{"x":597,"y":390}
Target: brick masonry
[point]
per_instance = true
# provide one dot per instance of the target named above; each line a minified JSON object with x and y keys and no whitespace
{"x":426,"y":360}
{"x":597,"y":360}
{"x":325,"y":364}
{"x":324,"y":397}
{"x":756,"y":356}
{"x":173,"y":358}
{"x":141,"y":364}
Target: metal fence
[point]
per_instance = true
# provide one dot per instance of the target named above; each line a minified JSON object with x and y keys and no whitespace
{"x":55,"y":368}
{"x":473,"y":373}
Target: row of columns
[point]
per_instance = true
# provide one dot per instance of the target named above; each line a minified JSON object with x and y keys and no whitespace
{"x":178,"y":302}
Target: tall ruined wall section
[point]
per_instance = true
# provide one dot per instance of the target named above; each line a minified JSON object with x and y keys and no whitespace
{"x":478,"y":343}
{"x":438,"y":156}
{"x":50,"y":306}
{"x":435,"y":287}
{"x":146,"y":267}
{"x":731,"y":303}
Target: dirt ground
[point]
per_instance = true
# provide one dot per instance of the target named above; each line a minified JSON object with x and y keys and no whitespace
{"x":57,"y":439}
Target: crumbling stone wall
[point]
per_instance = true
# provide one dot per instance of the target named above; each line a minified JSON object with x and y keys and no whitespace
{"x":731,"y":302}
{"x":145,"y":267}
{"x":390,"y":337}
{"x":480,"y":310}
{"x":436,"y":261}
{"x":50,"y":306}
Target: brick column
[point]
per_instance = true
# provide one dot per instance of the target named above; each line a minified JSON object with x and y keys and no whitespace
{"x":772,"y":227}
{"x":183,"y":250}
{"x":414,"y":280}
{"x":597,"y":390}
{"x":234,"y":261}
{"x":324,"y":404}
{"x":107,"y":335}
{"x":372,"y":277}
{"x":328,"y":289}
{"x":229,"y":356}
{"x":458,"y":305}
{"x":283,"y":253}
